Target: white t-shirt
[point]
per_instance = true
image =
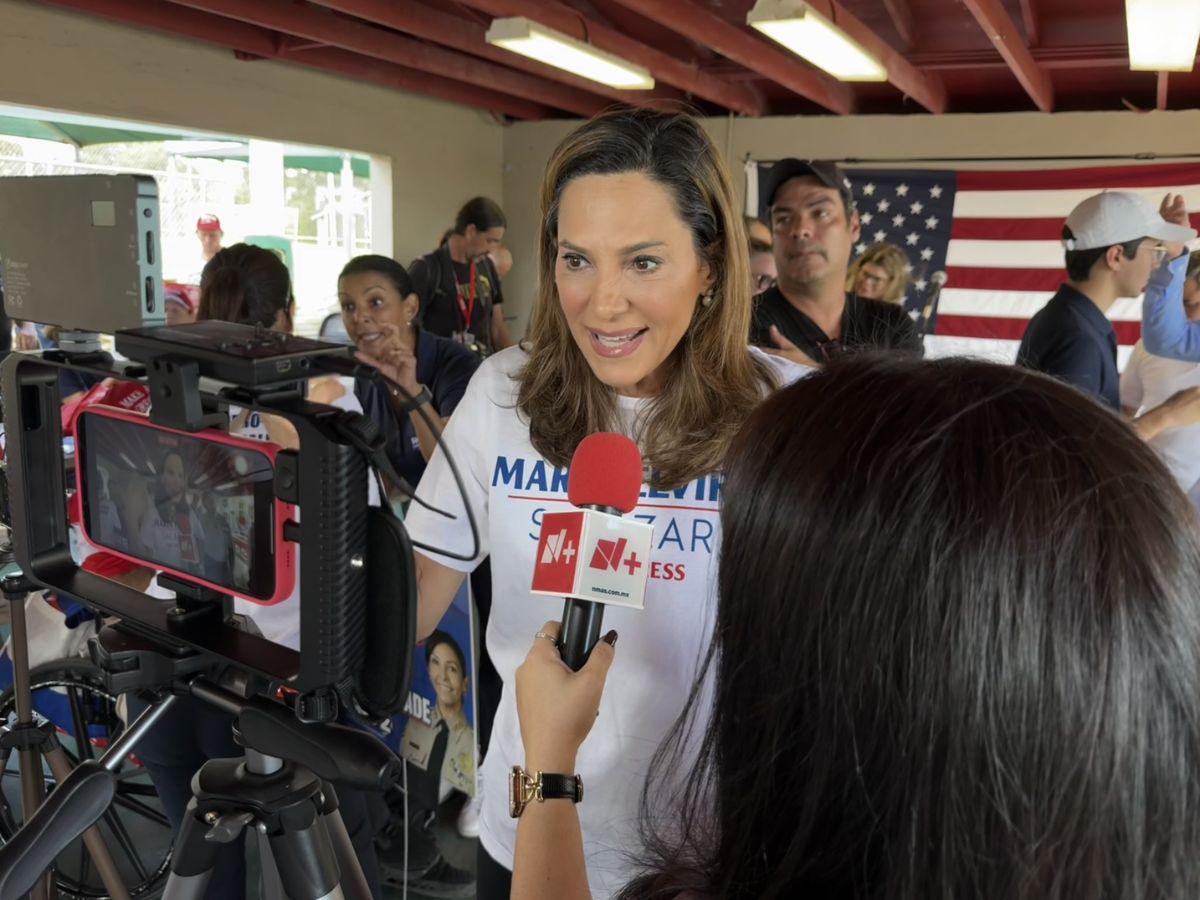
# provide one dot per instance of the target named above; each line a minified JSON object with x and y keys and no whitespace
{"x":509,"y":486}
{"x":1149,"y":381}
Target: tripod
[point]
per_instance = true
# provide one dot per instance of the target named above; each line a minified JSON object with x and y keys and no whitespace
{"x":305,"y":850}
{"x":289,"y":805}
{"x":280,"y":789}
{"x":34,"y":742}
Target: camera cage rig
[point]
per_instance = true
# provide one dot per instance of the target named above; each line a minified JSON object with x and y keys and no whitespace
{"x":357,"y":574}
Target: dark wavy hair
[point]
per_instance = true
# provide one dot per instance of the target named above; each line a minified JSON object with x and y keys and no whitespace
{"x":443,"y":637}
{"x":245,"y":284}
{"x":956,"y":654}
{"x":482,"y":212}
{"x":381,"y":265}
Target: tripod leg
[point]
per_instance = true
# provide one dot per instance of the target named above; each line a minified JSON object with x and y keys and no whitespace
{"x":354,"y":883}
{"x":193,"y":858}
{"x":270,"y":883}
{"x":304,"y":857}
{"x":33,"y":788}
{"x":106,"y":867}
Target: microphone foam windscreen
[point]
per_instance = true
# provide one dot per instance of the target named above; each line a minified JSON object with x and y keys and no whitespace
{"x":606,"y":470}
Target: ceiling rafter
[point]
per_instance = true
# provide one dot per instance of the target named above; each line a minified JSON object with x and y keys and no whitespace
{"x":1002,"y":31}
{"x":467,"y":36}
{"x":312,"y":24}
{"x":256,"y":42}
{"x":736,"y":97}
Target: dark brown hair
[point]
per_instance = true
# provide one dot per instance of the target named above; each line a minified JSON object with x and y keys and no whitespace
{"x":956,"y":654}
{"x":245,"y":284}
{"x":714,"y":380}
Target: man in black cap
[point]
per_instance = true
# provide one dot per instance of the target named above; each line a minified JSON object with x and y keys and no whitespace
{"x":808,"y":313}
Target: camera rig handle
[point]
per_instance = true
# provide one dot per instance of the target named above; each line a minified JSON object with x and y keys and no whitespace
{"x":334,"y":752}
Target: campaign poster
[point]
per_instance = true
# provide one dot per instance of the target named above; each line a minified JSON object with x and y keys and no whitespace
{"x":441,"y":701}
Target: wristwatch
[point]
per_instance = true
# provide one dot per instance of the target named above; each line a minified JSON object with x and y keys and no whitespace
{"x":523,"y":787}
{"x":418,"y":399}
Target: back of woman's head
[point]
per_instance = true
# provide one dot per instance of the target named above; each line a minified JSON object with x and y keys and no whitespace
{"x":244,"y":284}
{"x":957,"y":649}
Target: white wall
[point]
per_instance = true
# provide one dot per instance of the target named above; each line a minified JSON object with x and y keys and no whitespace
{"x":527,"y":146}
{"x":441,"y":154}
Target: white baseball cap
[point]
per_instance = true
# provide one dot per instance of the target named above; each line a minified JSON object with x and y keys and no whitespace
{"x":1115,"y":217}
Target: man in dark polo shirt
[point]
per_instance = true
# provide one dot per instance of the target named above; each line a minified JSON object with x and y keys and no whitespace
{"x":1114,"y":241}
{"x":808,"y":313}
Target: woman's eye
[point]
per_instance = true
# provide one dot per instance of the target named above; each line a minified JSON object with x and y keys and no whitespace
{"x":572,"y":260}
{"x":646,"y":263}
{"x":376,"y":302}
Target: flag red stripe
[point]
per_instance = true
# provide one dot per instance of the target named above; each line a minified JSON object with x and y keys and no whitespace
{"x":1006,"y":329}
{"x":1006,"y":229}
{"x":982,"y":278}
{"x":1097,"y":177}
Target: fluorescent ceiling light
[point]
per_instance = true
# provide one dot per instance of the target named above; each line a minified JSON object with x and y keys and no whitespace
{"x":1162,"y":34}
{"x":554,"y":49}
{"x":799,"y":28}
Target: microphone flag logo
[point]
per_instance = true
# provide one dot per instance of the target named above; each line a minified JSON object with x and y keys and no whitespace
{"x":558,"y":546}
{"x":591,"y":555}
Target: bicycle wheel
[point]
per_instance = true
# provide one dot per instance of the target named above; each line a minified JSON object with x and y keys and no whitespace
{"x":71,"y":694}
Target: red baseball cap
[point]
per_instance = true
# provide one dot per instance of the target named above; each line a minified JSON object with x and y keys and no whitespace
{"x":186,"y":295}
{"x":208,"y":222}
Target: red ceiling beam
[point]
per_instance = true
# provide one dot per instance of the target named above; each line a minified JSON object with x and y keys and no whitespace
{"x":363,"y":68}
{"x":737,"y":97}
{"x":263,"y":44}
{"x":1030,"y":19}
{"x":1115,"y":56}
{"x":736,"y":44}
{"x":902,"y":18}
{"x":996,"y":23}
{"x":468,"y":36}
{"x":332,"y":30}
{"x":925,"y":88}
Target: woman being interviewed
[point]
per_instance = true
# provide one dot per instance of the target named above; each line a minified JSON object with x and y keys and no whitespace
{"x":956,"y":655}
{"x":639,"y":326}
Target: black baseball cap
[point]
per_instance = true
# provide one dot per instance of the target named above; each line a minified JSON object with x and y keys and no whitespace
{"x":825,"y":171}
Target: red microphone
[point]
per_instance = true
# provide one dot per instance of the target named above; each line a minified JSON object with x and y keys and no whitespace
{"x":590,"y":555}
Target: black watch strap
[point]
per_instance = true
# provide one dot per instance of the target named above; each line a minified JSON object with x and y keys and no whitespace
{"x":419,"y":399}
{"x":561,"y":787}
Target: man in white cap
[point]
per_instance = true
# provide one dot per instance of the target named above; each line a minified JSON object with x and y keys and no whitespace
{"x":1114,"y":241}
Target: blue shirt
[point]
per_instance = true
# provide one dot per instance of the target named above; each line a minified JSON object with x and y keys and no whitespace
{"x":1071,"y":339}
{"x":1166,"y":330}
{"x":445,"y":367}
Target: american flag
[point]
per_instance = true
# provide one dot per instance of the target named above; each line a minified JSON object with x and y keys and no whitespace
{"x":996,"y":234}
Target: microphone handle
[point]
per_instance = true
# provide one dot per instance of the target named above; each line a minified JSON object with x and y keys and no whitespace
{"x":581,"y":620}
{"x":580,"y":631}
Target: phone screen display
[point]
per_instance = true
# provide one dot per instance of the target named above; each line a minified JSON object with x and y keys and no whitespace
{"x":195,"y":506}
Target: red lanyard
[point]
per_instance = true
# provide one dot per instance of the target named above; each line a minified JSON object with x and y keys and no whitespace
{"x":464,"y":308}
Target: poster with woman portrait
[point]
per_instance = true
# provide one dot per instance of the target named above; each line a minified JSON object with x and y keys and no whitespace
{"x":438,"y":732}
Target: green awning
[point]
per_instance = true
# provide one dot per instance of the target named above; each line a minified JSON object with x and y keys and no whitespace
{"x":312,"y":162}
{"x":84,"y":135}
{"x":81,"y":135}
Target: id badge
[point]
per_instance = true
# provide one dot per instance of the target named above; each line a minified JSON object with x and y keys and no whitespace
{"x":464,"y":337}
